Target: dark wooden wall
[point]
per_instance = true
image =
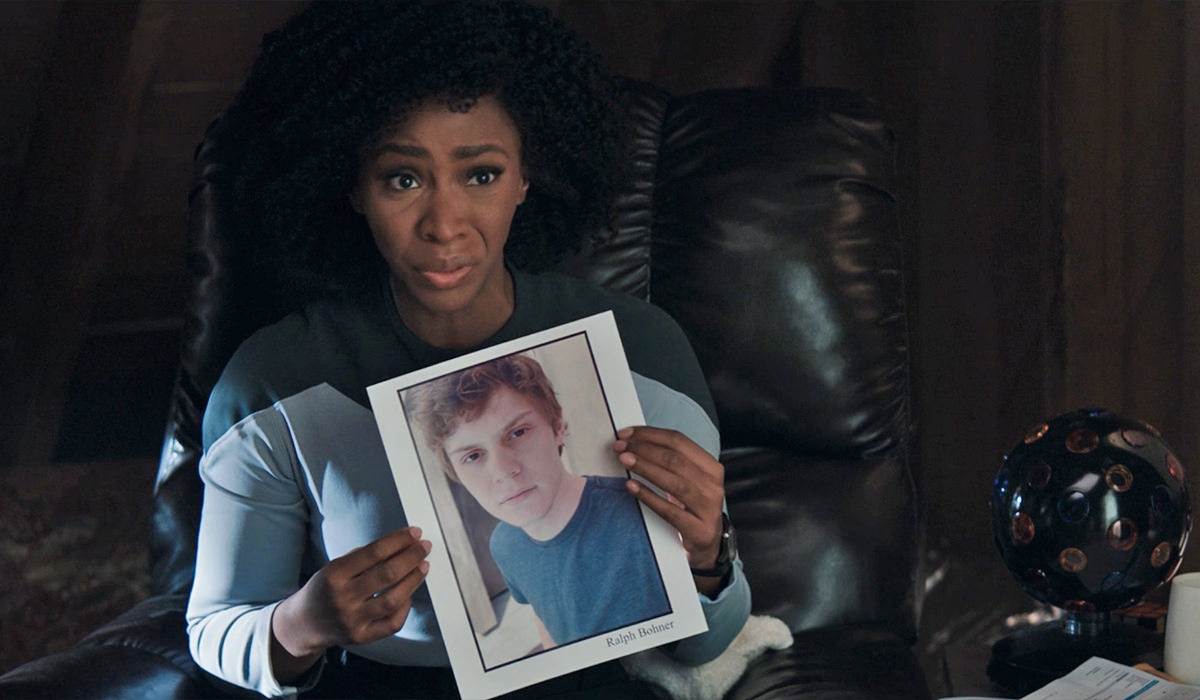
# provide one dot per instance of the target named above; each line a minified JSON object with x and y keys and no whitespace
{"x":1050,"y":175}
{"x":110,"y":99}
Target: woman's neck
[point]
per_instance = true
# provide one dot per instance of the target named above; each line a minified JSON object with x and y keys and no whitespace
{"x":462,"y":329}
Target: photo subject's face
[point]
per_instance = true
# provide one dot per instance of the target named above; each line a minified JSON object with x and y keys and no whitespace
{"x":508,"y":459}
{"x":439,"y":194}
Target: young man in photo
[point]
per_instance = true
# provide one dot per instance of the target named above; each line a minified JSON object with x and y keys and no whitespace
{"x":573,"y":547}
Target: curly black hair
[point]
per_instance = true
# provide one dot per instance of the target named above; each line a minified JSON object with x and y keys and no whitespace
{"x":339,"y":73}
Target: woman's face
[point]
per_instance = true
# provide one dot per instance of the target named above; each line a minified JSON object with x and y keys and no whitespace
{"x":439,"y":194}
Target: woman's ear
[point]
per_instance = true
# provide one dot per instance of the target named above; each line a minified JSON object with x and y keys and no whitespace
{"x":524,"y":186}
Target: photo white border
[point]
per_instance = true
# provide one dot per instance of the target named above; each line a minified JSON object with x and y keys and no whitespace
{"x":474,"y":681}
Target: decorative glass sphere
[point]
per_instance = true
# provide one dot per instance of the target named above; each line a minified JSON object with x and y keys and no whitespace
{"x":1090,"y":511}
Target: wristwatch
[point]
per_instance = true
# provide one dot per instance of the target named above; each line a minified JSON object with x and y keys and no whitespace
{"x":727,"y":552}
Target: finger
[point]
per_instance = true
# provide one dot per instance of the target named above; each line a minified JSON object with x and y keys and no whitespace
{"x":668,"y":468}
{"x":676,"y":515}
{"x":676,"y":453}
{"x":388,"y":573}
{"x":665,"y":479}
{"x":382,"y":627}
{"x":360,"y":560}
{"x":392,"y":625}
{"x":687,"y":488}
{"x":670,"y":439}
{"x":700,"y":539}
{"x":390,"y":608}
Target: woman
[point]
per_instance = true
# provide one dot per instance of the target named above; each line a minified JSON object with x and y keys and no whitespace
{"x":400,"y":164}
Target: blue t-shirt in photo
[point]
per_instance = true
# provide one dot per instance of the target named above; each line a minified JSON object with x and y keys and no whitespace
{"x":596,"y":575}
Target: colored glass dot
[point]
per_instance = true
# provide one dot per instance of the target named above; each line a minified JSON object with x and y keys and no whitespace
{"x":1161,"y":554}
{"x":1119,"y":478}
{"x":1072,"y":560}
{"x":1134,"y":438}
{"x":1122,"y":535}
{"x":1161,"y":502}
{"x":1073,"y":507}
{"x":1022,"y":529}
{"x":1035,"y":433}
{"x":1082,"y":440}
{"x":1038,"y":475}
{"x":1079,"y":606}
{"x":1175,"y":467}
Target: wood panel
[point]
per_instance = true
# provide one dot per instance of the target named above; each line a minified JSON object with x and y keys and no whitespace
{"x":26,"y":30}
{"x":1088,"y":73}
{"x":1121,"y":96}
{"x":684,"y":47}
{"x":118,"y":125}
{"x":1188,"y":440}
{"x":71,"y":189}
{"x":1152,"y":225}
{"x":982,"y":276}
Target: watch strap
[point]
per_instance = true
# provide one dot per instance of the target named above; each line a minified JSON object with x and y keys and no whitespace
{"x":725,"y":555}
{"x":718,"y":570}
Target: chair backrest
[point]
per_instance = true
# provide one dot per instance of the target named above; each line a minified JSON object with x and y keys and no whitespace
{"x":765,"y":222}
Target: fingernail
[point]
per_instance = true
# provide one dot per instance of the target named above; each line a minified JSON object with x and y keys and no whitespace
{"x":633,"y":486}
{"x":627,"y":459}
{"x":426,"y":545}
{"x":620,"y":445}
{"x":424,"y":567}
{"x":624,"y":432}
{"x":415,"y":531}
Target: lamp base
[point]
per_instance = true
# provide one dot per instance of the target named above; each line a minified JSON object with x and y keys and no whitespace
{"x":1031,"y":657}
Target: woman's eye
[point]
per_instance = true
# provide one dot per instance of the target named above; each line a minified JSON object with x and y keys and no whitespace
{"x":402,"y":181}
{"x":483,"y":176}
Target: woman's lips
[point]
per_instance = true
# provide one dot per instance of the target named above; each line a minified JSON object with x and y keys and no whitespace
{"x":447,"y":278}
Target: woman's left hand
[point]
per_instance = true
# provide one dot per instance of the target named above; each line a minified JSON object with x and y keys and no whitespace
{"x":694,"y":484}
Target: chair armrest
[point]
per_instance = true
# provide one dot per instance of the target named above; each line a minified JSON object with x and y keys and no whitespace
{"x":141,"y":654}
{"x":842,"y":663}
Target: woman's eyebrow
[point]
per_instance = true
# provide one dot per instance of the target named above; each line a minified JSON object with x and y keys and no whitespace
{"x":402,"y":149}
{"x":465,"y":152}
{"x":460,"y":153}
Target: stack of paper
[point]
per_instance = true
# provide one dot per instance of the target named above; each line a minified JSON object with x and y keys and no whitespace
{"x":1101,"y":679}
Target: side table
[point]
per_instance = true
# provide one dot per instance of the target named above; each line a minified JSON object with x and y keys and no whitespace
{"x":965,"y":661}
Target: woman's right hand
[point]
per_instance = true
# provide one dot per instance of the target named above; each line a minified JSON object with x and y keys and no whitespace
{"x":357,"y":598}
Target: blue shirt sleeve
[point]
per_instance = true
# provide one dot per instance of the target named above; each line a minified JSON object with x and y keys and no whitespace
{"x":664,"y":407}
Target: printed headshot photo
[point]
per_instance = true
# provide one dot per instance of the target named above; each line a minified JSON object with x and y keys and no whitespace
{"x":547,"y":545}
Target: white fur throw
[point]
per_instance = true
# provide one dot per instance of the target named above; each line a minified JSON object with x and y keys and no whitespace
{"x":710,"y":681}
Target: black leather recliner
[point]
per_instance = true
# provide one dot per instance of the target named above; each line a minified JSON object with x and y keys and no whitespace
{"x":765,"y":222}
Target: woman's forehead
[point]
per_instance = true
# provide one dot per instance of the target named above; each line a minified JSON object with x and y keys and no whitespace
{"x":451,"y":122}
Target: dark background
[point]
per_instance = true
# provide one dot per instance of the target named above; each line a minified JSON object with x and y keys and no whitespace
{"x":1050,"y":182}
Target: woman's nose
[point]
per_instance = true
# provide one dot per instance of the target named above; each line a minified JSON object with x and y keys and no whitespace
{"x":443,"y":219}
